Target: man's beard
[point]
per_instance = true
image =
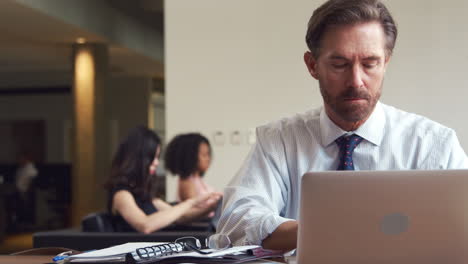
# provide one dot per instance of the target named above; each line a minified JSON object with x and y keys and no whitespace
{"x":354,"y":112}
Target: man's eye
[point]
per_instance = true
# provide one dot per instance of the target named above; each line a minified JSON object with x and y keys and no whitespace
{"x":370,"y":65}
{"x":339,"y":66}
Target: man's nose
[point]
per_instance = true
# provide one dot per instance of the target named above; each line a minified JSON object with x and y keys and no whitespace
{"x":355,"y":77}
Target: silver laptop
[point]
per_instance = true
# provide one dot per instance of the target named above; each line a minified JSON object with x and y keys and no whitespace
{"x":384,"y":217}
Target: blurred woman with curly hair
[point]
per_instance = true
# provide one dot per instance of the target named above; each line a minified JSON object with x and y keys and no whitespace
{"x":189,"y":157}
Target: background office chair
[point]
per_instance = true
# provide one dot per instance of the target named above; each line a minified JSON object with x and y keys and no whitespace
{"x":97,"y":222}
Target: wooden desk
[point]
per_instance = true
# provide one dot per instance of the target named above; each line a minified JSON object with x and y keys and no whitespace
{"x":25,"y":259}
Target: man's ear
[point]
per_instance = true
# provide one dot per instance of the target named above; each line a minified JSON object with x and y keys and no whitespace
{"x":311,"y":64}
{"x":387,"y":60}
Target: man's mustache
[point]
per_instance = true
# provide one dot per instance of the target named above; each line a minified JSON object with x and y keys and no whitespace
{"x":355,"y":93}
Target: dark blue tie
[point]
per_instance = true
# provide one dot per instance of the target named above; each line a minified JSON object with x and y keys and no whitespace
{"x":347,"y":144}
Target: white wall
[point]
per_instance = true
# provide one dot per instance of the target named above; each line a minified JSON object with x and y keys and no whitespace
{"x":429,"y":72}
{"x":233,"y":65}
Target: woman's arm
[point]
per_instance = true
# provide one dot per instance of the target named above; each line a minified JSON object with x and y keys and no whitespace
{"x":125,"y":205}
{"x":161,"y":205}
{"x":207,"y":204}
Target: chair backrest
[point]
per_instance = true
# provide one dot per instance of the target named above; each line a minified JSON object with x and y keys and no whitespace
{"x":97,"y":222}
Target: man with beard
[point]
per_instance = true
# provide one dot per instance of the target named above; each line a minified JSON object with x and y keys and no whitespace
{"x":350,"y":45}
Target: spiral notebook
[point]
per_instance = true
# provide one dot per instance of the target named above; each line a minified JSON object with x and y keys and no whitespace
{"x":166,"y":253}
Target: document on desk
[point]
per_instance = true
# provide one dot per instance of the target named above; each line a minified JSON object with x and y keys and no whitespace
{"x":111,"y":254}
{"x":125,"y":253}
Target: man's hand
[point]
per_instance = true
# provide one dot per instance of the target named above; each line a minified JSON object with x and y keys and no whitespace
{"x":283,"y":238}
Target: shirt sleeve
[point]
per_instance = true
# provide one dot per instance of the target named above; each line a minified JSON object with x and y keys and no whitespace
{"x":443,"y":151}
{"x":255,"y":199}
{"x":456,"y":156}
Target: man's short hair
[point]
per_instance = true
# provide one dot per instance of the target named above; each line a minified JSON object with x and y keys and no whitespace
{"x":349,"y":12}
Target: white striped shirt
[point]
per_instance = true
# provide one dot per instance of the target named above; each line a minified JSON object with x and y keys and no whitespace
{"x":265,"y":191}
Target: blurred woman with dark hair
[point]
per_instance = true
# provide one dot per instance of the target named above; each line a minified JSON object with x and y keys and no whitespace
{"x":132,"y":182}
{"x":189,"y":157}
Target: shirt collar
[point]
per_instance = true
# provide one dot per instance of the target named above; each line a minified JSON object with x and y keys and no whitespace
{"x":372,"y":130}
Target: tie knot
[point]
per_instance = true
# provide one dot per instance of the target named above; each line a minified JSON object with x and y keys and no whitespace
{"x":348,"y":142}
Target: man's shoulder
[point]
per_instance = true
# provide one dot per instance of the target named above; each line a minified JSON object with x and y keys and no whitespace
{"x":296,"y":121}
{"x":400,"y":119}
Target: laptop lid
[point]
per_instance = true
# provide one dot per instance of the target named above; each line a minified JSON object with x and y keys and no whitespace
{"x":384,"y":217}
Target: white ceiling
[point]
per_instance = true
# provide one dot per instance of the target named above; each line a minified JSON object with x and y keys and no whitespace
{"x":31,"y":41}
